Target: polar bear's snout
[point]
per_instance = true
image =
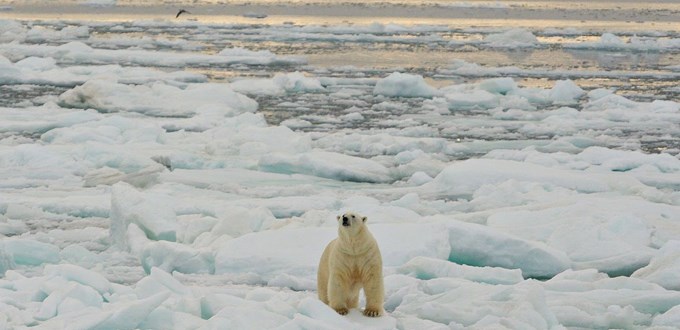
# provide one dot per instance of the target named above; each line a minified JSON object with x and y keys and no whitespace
{"x":346,"y":219}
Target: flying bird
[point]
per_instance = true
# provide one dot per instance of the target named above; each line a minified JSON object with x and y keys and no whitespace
{"x":180,"y":12}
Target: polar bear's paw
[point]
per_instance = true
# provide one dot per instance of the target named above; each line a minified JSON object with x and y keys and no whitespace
{"x":342,"y":310}
{"x":370,"y":312}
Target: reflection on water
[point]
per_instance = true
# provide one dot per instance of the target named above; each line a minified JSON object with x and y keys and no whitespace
{"x":562,"y":4}
{"x":453,"y":22}
{"x":628,"y":15}
{"x":546,"y":59}
{"x":330,"y":38}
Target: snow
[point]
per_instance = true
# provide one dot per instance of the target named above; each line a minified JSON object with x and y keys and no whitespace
{"x":281,"y":83}
{"x":663,"y":267}
{"x":128,"y":206}
{"x":79,"y":52}
{"x":327,"y":165}
{"x":532,"y":258}
{"x":514,"y":38}
{"x":612,"y":42}
{"x":464,"y":178}
{"x":100,"y":2}
{"x":427,"y":268}
{"x":44,"y":70}
{"x":405,"y":85}
{"x":158,"y":99}
{"x":29,"y":252}
{"x":192,"y":181}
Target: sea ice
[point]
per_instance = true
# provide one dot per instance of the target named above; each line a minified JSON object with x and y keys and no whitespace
{"x":171,"y":256}
{"x":670,"y":319}
{"x":327,"y":165}
{"x":663,"y":267}
{"x":99,"y":2}
{"x":471,"y":100}
{"x":11,"y":30}
{"x":130,"y":206}
{"x":80,"y":275}
{"x":142,"y":188}
{"x":427,"y":268}
{"x":494,"y":248}
{"x":565,"y":92}
{"x":513,"y":38}
{"x":30,"y":252}
{"x":77,"y":52}
{"x":463,"y":178}
{"x":158,"y":99}
{"x":404,"y":85}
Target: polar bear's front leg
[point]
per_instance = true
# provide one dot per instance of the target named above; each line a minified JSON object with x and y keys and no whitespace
{"x":337,"y":294}
{"x":322,"y":275}
{"x":374,"y":289}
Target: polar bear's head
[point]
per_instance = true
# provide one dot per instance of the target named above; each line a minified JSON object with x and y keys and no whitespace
{"x":351,"y":220}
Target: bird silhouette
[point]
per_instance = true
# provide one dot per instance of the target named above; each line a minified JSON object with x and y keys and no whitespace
{"x":180,"y":12}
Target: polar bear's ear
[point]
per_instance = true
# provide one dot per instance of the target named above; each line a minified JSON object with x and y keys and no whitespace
{"x":364,"y":219}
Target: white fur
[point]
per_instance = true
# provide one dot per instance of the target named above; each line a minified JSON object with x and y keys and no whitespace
{"x":349,"y":263}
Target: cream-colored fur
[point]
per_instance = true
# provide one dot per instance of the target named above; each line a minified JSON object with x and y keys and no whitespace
{"x":349,"y":263}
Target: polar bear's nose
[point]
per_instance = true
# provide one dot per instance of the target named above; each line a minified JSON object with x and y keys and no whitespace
{"x":345,"y":221}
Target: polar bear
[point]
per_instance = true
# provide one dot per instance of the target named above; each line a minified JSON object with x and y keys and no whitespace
{"x":350,"y":262}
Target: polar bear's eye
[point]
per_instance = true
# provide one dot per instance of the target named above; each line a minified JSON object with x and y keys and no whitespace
{"x":353,"y":217}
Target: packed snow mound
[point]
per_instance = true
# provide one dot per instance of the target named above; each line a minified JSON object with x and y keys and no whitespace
{"x":465,"y":177}
{"x":76,"y":52}
{"x":46,"y":71}
{"x":514,"y":38}
{"x":11,"y":30}
{"x":371,"y":145}
{"x":623,"y":161}
{"x":670,"y":319}
{"x":506,"y":94}
{"x":158,"y":99}
{"x":472,"y":100}
{"x":565,"y":92}
{"x":501,"y":86}
{"x":40,"y":34}
{"x":248,"y":135}
{"x":297,"y":82}
{"x":107,"y":130}
{"x":170,"y":257}
{"x":428,"y":268}
{"x":281,"y":83}
{"x":443,"y":301}
{"x":663,"y":267}
{"x":37,"y":164}
{"x":327,"y":165}
{"x":238,"y":51}
{"x":129,"y":206}
{"x":404,"y":85}
{"x":535,"y":259}
{"x":100,"y":3}
{"x":617,"y":243}
{"x":50,"y":117}
{"x":27,"y":252}
{"x":611,"y":42}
